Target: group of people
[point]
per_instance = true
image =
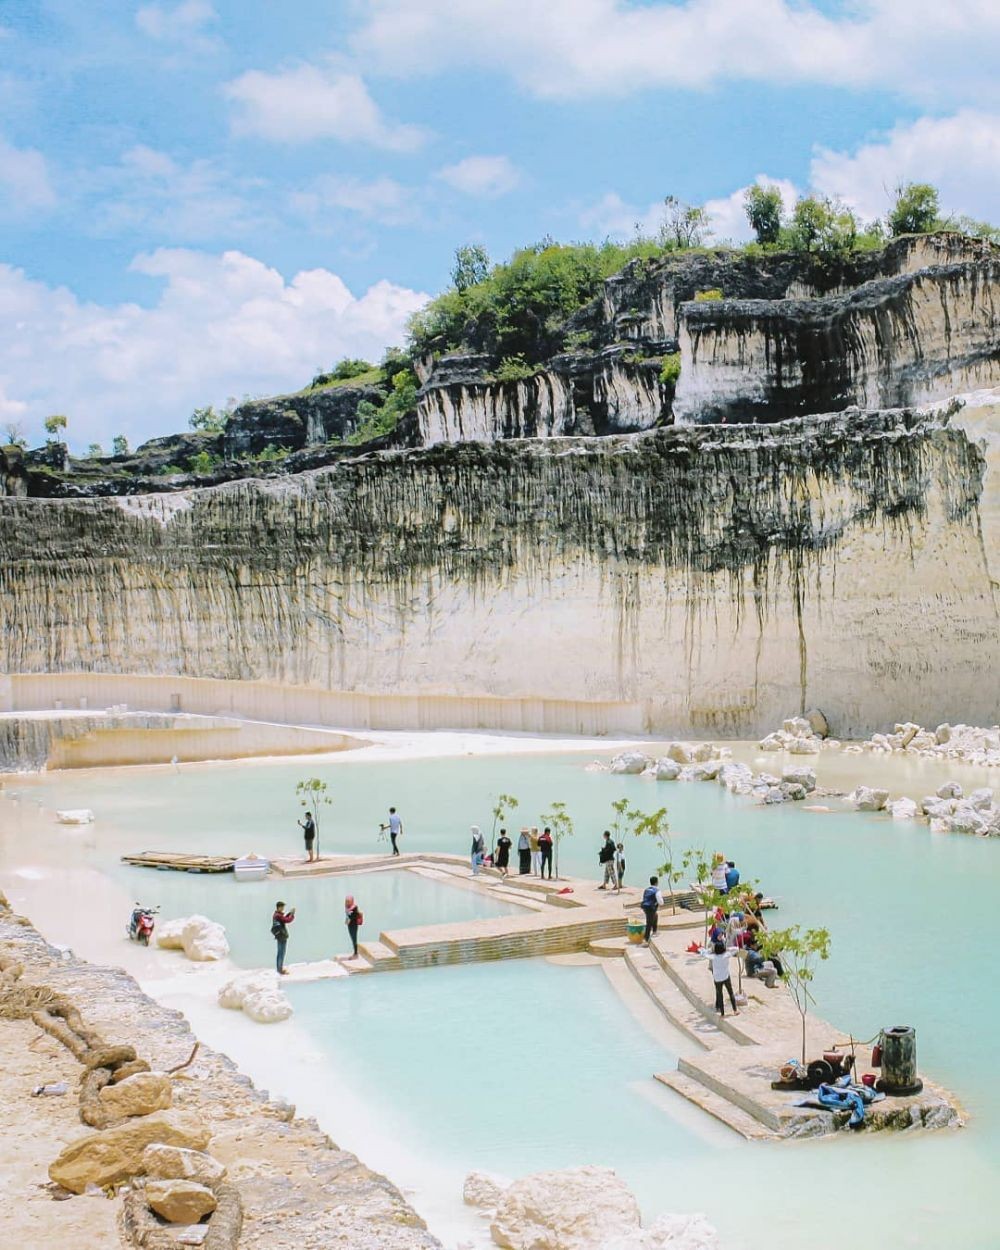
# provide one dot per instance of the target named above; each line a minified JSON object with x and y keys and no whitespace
{"x":734,"y":933}
{"x":281,"y":919}
{"x":534,"y":852}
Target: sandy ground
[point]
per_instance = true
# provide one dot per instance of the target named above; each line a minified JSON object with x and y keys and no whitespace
{"x":33,"y":1131}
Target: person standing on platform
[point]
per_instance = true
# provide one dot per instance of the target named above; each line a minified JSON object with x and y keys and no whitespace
{"x":545,"y":842}
{"x":536,"y":852}
{"x":606,"y":858}
{"x":354,"y":920}
{"x":308,"y":828}
{"x":524,"y":853}
{"x":503,"y":853}
{"x":279,"y":931}
{"x":395,"y":827}
{"x":652,"y":901}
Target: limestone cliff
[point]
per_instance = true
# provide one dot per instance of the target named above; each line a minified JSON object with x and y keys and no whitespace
{"x":706,"y":578}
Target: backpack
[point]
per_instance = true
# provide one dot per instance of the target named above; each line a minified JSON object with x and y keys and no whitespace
{"x":359,"y":916}
{"x":649,"y":902}
{"x":278,"y":930}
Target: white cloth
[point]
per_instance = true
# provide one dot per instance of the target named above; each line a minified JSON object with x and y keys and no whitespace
{"x":719,"y":877}
{"x":395,"y":824}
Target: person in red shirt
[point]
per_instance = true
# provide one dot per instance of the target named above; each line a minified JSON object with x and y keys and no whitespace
{"x":279,"y":931}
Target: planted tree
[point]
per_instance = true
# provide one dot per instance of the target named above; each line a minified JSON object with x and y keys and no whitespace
{"x":561,"y":824}
{"x":656,"y":826}
{"x":54,"y":426}
{"x":799,"y":953}
{"x":313,"y":793}
{"x":504,"y":803}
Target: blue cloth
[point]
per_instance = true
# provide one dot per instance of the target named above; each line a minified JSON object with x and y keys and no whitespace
{"x":732,"y":878}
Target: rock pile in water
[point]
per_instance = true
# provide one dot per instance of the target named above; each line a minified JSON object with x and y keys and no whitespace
{"x":969,"y":743}
{"x":585,"y":1208}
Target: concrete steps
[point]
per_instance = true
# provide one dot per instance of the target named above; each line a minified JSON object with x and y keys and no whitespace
{"x":665,"y":996}
{"x":377,"y":956}
{"x":703,"y":1006}
{"x":721,"y":1109}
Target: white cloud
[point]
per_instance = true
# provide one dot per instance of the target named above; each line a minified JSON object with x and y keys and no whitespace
{"x":223,"y":325}
{"x":486,"y":177}
{"x":613,"y":217}
{"x":959,"y":154}
{"x":379,"y":199}
{"x":307,"y":102}
{"x":727,"y":214}
{"x":572,"y":48}
{"x":183,"y":24}
{"x":24,"y":179}
{"x":150,"y":191}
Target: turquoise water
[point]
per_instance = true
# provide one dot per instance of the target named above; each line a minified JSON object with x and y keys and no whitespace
{"x":907,"y":910}
{"x":389,"y":900}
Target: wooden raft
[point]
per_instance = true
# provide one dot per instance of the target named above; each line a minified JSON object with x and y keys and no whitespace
{"x":173,"y":860}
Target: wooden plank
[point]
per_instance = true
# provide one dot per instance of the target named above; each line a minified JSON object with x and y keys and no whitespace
{"x":179,"y":862}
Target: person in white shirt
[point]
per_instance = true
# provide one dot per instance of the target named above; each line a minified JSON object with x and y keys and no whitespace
{"x":719,"y":958}
{"x":395,"y":827}
{"x":719,"y":873}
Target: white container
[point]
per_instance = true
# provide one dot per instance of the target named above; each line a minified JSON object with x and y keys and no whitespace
{"x":251,"y":868}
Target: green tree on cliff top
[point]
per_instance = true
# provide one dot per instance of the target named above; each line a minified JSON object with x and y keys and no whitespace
{"x":915,"y":210}
{"x":763,"y":207}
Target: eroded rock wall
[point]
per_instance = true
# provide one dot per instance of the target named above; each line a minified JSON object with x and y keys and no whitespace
{"x":713,"y":578}
{"x":906,"y":340}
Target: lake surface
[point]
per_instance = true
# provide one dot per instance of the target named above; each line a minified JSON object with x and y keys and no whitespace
{"x":526,"y":1065}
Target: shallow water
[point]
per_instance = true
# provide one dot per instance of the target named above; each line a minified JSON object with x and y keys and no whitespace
{"x":906,"y":910}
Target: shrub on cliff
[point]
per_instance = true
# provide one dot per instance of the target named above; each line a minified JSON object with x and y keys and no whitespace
{"x":763,"y":207}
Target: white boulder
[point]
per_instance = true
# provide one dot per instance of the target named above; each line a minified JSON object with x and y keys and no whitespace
{"x":867,"y":799}
{"x":701,"y":752}
{"x":258,"y":996}
{"x":733,"y":776}
{"x":629,"y":762}
{"x":141,"y":1094}
{"x":585,"y":1208}
{"x":204,"y":939}
{"x":483,"y":1190}
{"x":708,"y":770}
{"x":966,"y":819}
{"x":950,"y":790}
{"x":805,"y":746}
{"x":902,"y":809}
{"x":76,"y":816}
{"x":680,"y":752}
{"x":982,"y":799}
{"x":198,"y":937}
{"x":796,"y":726}
{"x":800,"y":775}
{"x":773,"y":742}
{"x":666,"y":770}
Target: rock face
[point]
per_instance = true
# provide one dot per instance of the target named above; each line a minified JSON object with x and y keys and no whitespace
{"x":295,"y":421}
{"x":576,"y":1209}
{"x":699,"y":580}
{"x":114,"y":1154}
{"x":180,"y":1201}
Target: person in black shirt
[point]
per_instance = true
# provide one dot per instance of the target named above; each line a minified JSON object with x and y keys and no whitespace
{"x":606,"y":857}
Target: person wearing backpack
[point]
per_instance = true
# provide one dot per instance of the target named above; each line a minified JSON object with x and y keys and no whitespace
{"x":652,"y":901}
{"x":279,"y":931}
{"x":606,"y":859}
{"x":354,"y":919}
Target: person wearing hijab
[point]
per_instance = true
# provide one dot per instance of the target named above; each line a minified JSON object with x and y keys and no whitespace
{"x":524,"y":853}
{"x":478,"y":850}
{"x":353,"y":919}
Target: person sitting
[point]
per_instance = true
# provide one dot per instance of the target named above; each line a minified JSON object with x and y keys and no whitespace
{"x":732,"y":876}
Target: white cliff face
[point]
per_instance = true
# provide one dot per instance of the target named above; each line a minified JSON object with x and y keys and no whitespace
{"x":542,"y":406}
{"x":693,"y":581}
{"x":537,"y":407}
{"x":909,"y":340}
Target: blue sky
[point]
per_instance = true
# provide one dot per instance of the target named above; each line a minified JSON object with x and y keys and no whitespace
{"x":205,"y":198}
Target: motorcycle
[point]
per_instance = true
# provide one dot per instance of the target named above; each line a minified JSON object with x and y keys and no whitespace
{"x":140,"y":925}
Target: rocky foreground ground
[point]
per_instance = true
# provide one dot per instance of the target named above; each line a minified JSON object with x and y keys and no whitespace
{"x":295,"y":1187}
